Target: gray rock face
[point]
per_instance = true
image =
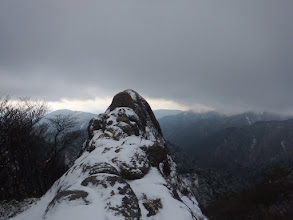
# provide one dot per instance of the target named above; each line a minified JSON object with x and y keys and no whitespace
{"x":133,"y":100}
{"x":99,"y":168}
{"x":126,"y":203}
{"x":117,"y":124}
{"x":66,"y":196}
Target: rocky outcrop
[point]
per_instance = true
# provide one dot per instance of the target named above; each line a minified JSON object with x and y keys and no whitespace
{"x":132,"y":100}
{"x":126,"y":203}
{"x":124,"y":171}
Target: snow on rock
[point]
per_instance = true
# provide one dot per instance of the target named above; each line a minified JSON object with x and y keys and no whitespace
{"x":124,"y":172}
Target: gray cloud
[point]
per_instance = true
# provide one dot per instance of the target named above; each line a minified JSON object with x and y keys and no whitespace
{"x":230,"y":55}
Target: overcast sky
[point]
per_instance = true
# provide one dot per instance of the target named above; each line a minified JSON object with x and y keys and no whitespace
{"x":226,"y":55}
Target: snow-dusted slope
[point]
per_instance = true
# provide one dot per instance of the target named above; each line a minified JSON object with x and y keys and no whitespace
{"x":125,"y":172}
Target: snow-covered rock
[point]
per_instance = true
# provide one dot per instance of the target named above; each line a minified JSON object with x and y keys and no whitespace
{"x":124,"y":172}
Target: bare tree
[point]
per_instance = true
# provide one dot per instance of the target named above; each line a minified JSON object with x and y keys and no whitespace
{"x":31,"y":153}
{"x":62,"y":136}
{"x":18,"y":160}
{"x":62,"y":133}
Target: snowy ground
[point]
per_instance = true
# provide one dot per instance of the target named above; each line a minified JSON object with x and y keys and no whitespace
{"x":13,"y":208}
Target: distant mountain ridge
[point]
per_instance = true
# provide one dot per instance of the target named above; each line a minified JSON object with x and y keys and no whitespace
{"x":242,"y":165}
{"x":82,"y":118}
{"x":160,"y":113}
{"x":241,"y":147}
{"x":186,"y":128}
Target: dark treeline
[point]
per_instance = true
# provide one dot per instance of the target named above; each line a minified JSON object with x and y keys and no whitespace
{"x":31,"y":152}
{"x":270,"y":199}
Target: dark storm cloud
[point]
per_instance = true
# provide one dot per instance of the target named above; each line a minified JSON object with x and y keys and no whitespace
{"x":230,"y":55}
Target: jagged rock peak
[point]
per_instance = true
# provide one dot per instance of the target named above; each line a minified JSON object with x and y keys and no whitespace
{"x":124,"y":172}
{"x":130,"y":120}
{"x":129,"y":112}
{"x":131,"y":99}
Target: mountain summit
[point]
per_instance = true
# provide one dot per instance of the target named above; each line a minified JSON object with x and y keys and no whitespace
{"x":124,"y":172}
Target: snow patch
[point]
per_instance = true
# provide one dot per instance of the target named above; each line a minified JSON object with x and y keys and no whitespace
{"x":248,"y":120}
{"x":82,"y":125}
{"x":283,"y":145}
{"x":131,"y":93}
